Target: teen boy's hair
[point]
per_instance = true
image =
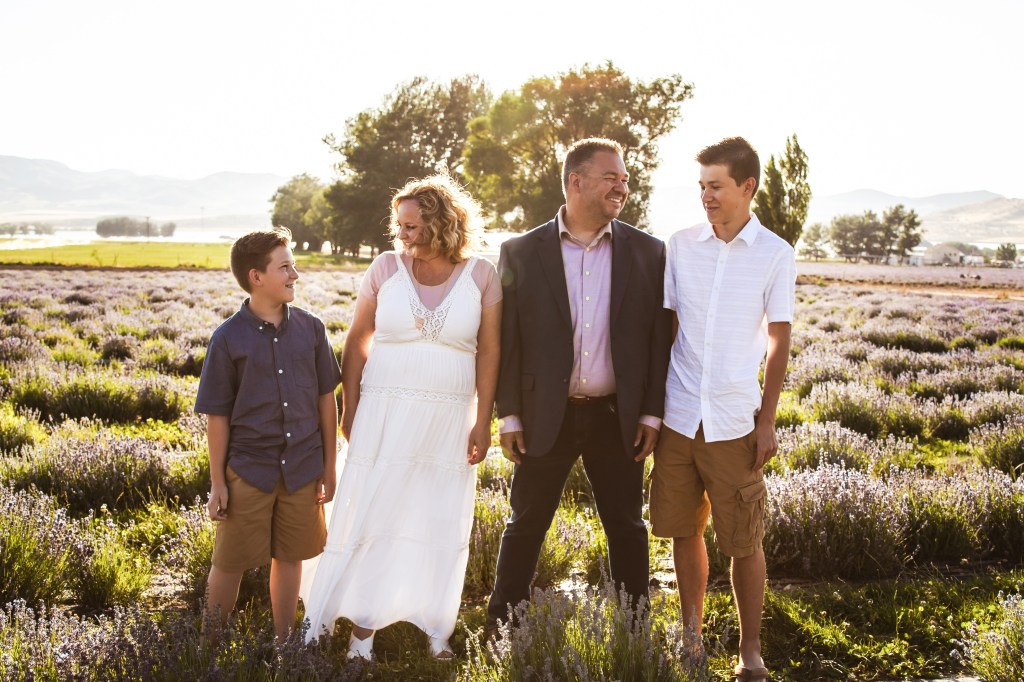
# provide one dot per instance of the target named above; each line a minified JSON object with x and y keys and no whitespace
{"x":581,"y":152}
{"x":253,"y":250}
{"x":737,"y":154}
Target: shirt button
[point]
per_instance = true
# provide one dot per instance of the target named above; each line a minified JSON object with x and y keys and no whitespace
{"x":282,"y":461}
{"x":586,"y":352}
{"x":584,"y":381}
{"x":587,"y":273}
{"x":586,"y":298}
{"x":587,"y":325}
{"x":275,"y":340}
{"x":288,"y":435}
{"x":286,"y":404}
{"x":280,"y":371}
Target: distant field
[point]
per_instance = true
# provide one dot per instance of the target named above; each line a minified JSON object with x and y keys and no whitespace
{"x":960,"y":277}
{"x":208,"y":256}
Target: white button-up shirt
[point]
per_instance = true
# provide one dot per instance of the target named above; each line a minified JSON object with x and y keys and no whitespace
{"x":724,"y":295}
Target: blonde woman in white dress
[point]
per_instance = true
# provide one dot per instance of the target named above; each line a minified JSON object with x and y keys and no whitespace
{"x":419,"y":372}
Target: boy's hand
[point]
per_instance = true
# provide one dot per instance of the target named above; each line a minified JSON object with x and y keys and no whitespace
{"x":326,"y":487}
{"x":217,"y":507}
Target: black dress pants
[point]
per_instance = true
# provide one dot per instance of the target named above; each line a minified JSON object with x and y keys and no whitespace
{"x":617,"y":481}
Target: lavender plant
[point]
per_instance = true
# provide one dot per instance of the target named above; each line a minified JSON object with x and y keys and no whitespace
{"x":36,"y":541}
{"x":589,"y":635}
{"x":1001,"y":446}
{"x":814,"y":517}
{"x":993,"y":651}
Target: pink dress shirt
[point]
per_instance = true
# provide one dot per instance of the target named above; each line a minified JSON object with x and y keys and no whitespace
{"x":588,"y":280}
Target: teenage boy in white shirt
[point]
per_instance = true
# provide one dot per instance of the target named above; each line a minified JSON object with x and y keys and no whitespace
{"x":731,"y":283}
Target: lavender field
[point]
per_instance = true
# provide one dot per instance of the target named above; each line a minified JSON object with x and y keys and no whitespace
{"x":900,"y":482}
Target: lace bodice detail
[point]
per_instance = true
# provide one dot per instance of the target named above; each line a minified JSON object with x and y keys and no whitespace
{"x":402,"y":317}
{"x":431,"y":322}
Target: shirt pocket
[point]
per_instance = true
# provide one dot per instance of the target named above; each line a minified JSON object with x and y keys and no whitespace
{"x":304,"y":371}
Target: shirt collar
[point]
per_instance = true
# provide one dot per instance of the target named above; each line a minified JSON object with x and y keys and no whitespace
{"x":564,"y":233}
{"x":250,"y":317}
{"x":748,"y":234}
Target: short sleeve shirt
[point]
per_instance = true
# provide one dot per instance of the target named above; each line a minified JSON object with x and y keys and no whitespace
{"x":268,"y":379}
{"x":724,"y":295}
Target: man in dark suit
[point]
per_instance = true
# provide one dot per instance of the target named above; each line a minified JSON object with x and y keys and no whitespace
{"x":584,"y":354}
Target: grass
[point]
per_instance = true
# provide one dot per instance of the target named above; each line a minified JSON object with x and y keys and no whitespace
{"x":142,"y":254}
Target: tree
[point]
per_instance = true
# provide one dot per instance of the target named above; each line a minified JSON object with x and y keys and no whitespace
{"x":782,"y":200}
{"x":813,"y":239}
{"x":909,"y":232}
{"x":514,"y":153}
{"x":854,"y":237}
{"x":1007,"y":252}
{"x":419,"y":130}
{"x":292,"y":201}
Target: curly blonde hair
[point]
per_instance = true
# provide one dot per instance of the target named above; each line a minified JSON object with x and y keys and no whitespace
{"x":450,"y":214}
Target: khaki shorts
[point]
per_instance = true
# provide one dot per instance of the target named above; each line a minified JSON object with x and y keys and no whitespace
{"x":261,"y":526}
{"x":692,"y":478}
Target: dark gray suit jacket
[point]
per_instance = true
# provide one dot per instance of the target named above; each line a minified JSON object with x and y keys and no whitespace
{"x":536,"y":332}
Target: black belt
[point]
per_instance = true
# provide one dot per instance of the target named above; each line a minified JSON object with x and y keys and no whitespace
{"x":579,"y":400}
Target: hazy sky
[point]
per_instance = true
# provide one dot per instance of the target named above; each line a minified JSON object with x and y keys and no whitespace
{"x":912,"y":98}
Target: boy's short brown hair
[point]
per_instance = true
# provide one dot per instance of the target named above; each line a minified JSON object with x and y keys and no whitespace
{"x":738,"y":155}
{"x":253,"y":250}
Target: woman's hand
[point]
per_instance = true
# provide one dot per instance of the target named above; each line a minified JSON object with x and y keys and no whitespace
{"x":479,"y":442}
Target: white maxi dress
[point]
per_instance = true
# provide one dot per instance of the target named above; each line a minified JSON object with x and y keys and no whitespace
{"x":399,"y":526}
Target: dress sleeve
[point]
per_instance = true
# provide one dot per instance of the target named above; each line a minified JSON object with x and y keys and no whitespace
{"x":380,"y":270}
{"x":486,"y":278}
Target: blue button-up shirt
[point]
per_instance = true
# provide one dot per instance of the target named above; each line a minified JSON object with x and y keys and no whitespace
{"x":268,"y":379}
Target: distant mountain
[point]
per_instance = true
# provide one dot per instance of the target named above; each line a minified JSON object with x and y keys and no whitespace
{"x":996,"y":220}
{"x":36,"y":189}
{"x":823,"y":209}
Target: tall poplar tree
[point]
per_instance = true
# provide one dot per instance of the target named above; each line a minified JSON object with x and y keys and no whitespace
{"x":782,"y":200}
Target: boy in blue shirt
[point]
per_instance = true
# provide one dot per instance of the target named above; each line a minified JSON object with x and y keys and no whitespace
{"x":267,"y":387}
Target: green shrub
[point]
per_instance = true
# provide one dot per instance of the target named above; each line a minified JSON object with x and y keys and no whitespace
{"x":101,"y":396}
{"x":106,"y":572}
{"x":912,"y":339}
{"x":1012,"y":342}
{"x":19,"y":431}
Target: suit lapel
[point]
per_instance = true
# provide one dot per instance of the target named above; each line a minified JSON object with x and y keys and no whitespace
{"x":549,"y":251}
{"x":621,"y":263}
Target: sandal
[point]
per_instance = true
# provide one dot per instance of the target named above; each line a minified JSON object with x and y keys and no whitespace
{"x":745,"y":674}
{"x":441,"y":649}
{"x":360,"y":648}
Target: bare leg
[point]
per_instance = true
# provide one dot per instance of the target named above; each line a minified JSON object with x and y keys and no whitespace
{"x":222,"y":591}
{"x":284,"y":594}
{"x":748,"y":578}
{"x":690,"y":556}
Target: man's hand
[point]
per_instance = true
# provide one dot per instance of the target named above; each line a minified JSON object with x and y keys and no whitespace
{"x":767,"y":444}
{"x":510,"y":439}
{"x":217,"y":506}
{"x":643,"y":444}
{"x":479,"y":442}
